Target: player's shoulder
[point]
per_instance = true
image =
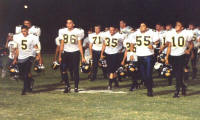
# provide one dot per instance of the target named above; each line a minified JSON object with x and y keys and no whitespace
{"x":19,"y":26}
{"x":35,"y":27}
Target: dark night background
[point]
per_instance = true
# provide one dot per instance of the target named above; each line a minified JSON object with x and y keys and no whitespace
{"x":50,"y":15}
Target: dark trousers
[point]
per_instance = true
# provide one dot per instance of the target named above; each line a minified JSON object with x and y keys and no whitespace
{"x":95,"y":58}
{"x":25,"y":69}
{"x":178,"y":64}
{"x":194,"y":59}
{"x":71,"y":61}
{"x":146,"y":68}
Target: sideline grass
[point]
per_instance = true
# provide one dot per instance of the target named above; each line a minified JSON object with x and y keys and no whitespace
{"x":48,"y":103}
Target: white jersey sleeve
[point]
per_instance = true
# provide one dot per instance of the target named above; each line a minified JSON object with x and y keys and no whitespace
{"x":57,"y":41}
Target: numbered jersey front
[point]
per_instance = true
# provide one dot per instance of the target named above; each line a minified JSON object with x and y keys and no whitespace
{"x":179,"y":42}
{"x":96,"y":40}
{"x":113,"y":43}
{"x":25,"y":45}
{"x":142,"y":42}
{"x":195,"y":37}
{"x":71,"y":39}
{"x":127,"y":44}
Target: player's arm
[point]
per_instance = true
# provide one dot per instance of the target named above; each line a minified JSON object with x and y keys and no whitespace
{"x":102,"y":50}
{"x":61,"y":50}
{"x":16,"y":54}
{"x":57,"y":52}
{"x":124,"y":58}
{"x":90,"y":48}
{"x":190,"y":47}
{"x":168,"y":52}
{"x":162,"y":47}
{"x":81,"y":50}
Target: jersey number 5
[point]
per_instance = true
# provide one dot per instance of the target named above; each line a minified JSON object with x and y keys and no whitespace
{"x":24,"y":44}
{"x":146,"y":40}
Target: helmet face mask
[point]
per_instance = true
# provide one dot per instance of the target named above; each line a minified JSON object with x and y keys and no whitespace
{"x":55,"y":65}
{"x":103,"y":63}
{"x":121,"y":71}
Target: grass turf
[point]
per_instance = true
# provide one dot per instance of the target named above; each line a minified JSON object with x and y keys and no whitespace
{"x":47,"y":102}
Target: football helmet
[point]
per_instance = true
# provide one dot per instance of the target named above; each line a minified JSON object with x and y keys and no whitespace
{"x":14,"y":69}
{"x":132,"y":67}
{"x":85,"y":68}
{"x":103,"y":63}
{"x":161,"y":58}
{"x":121,"y":71}
{"x":166,"y":71}
{"x":55,"y":65}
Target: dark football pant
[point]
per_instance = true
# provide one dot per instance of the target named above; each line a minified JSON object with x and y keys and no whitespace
{"x":25,"y":69}
{"x":95,"y":58}
{"x":146,"y":68}
{"x":71,"y":61}
{"x":194,"y":60}
{"x":178,"y":64}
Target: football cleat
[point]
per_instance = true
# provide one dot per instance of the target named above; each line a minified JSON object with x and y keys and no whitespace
{"x":85,"y":68}
{"x":55,"y":65}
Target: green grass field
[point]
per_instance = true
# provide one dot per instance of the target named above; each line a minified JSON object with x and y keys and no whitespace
{"x":48,"y":102}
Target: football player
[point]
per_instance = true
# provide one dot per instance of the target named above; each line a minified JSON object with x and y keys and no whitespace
{"x":32,"y":29}
{"x":196,"y":43}
{"x":112,"y":45}
{"x":26,"y":44}
{"x":179,"y":40}
{"x":143,"y":40}
{"x":130,"y":55}
{"x":71,"y":45}
{"x":11,"y":46}
{"x":96,"y":43}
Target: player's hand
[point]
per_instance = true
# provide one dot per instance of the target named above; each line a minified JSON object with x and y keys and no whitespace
{"x":122,"y":63}
{"x":150,"y":47}
{"x":166,"y":61}
{"x":59,"y":60}
{"x":102,"y":57}
{"x":187,"y":52}
{"x":131,"y":58}
{"x":83,"y":60}
{"x":14,"y":62}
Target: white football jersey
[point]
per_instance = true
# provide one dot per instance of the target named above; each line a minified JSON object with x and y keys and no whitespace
{"x":86,"y":45}
{"x":33,"y":30}
{"x":113,"y":43}
{"x":71,"y":39}
{"x":179,"y":41}
{"x":11,"y":47}
{"x":127,"y":44}
{"x":143,"y":40}
{"x":25,"y":44}
{"x":96,"y":40}
{"x":127,"y":30}
{"x":195,"y":37}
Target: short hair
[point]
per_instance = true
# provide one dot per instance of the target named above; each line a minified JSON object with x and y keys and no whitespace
{"x":28,"y":20}
{"x":182,"y":23}
{"x":123,"y":21}
{"x":24,"y":27}
{"x":98,"y":26}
